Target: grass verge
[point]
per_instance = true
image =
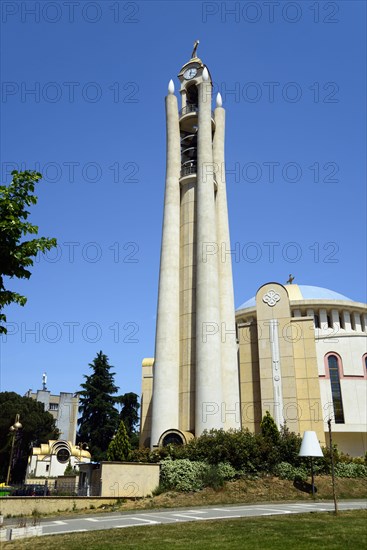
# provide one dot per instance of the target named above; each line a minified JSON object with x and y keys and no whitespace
{"x":301,"y":531}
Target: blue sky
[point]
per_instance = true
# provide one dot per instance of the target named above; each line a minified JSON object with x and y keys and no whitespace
{"x":292,"y":77}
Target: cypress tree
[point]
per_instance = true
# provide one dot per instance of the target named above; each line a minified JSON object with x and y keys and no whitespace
{"x":269,"y":429}
{"x":119,"y":448}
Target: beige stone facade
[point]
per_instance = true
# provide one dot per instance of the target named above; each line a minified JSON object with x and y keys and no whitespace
{"x":286,"y":335}
{"x":313,"y":326}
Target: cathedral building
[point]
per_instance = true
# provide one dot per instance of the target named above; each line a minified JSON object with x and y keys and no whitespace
{"x":296,"y":351}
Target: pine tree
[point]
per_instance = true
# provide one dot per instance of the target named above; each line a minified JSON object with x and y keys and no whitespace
{"x":99,"y":417}
{"x":119,"y":448}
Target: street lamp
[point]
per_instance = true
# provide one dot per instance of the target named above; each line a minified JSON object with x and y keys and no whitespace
{"x":14,"y":430}
{"x":82,"y":447}
{"x":310,"y":447}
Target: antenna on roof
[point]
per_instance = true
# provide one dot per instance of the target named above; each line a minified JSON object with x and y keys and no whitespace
{"x":44,"y":381}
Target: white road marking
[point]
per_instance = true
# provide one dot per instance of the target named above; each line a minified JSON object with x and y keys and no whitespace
{"x":275,"y":510}
{"x":59,"y":522}
{"x":151,"y":521}
{"x":220,"y":517}
{"x":91,"y":519}
{"x":164,"y":517}
{"x":224,"y":509}
{"x":187,"y":516}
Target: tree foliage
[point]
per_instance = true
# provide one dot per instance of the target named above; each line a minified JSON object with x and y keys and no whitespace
{"x":268,"y":428}
{"x":16,"y":253}
{"x":119,"y":447}
{"x":99,"y":417}
{"x":129,"y":415}
{"x":38,"y":426}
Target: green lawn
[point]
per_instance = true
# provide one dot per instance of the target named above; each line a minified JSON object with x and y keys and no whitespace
{"x":299,"y":532}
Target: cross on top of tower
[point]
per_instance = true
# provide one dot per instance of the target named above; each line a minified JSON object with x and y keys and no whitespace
{"x":196,"y":43}
{"x":290,"y":280}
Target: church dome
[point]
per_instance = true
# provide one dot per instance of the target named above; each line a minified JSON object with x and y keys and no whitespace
{"x":304,"y":292}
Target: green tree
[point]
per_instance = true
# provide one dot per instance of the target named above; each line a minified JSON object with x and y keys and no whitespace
{"x":119,"y":448}
{"x":269,"y":429}
{"x":129,"y":415}
{"x":38,"y":427}
{"x":16,"y":253}
{"x":99,"y":417}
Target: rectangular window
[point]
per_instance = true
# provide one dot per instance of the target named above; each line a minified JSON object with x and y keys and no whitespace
{"x":352,"y":322}
{"x":54,"y":407}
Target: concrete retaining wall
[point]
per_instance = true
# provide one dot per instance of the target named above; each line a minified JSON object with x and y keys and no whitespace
{"x":24,"y":506}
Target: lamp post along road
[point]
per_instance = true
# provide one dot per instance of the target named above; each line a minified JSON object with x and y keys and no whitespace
{"x":310,"y":447}
{"x":14,"y":429}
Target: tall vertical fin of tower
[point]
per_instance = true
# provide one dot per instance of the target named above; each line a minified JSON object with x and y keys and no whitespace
{"x":165,"y":412}
{"x":208,"y":343}
{"x":230,"y":380}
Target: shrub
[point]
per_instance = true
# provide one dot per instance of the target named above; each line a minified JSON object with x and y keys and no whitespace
{"x":182,"y":475}
{"x":344,"y":469}
{"x":226,"y":471}
{"x":284,"y":470}
{"x":211,"y":477}
{"x":215,"y":475}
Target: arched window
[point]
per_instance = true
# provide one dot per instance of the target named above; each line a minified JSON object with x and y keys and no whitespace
{"x":333,"y":364}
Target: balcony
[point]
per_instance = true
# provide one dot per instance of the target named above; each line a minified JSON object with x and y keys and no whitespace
{"x":190,"y":108}
{"x":188,"y":117}
{"x":188,"y":169}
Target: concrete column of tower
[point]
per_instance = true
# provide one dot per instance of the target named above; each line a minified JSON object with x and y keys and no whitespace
{"x":166,"y":373}
{"x":230,"y":372}
{"x":208,"y":399}
{"x":187,"y":307}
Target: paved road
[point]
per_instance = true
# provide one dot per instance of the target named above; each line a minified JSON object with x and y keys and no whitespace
{"x":120,"y":520}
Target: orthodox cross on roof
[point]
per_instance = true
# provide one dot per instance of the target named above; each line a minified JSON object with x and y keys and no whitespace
{"x":290,"y":280}
{"x":196,"y":43}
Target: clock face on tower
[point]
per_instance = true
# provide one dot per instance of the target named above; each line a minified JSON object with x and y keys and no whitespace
{"x":190,"y":73}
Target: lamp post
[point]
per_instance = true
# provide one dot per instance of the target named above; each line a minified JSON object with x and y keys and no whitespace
{"x":82,"y":447}
{"x":14,"y":429}
{"x":85,"y":447}
{"x":310,"y":447}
